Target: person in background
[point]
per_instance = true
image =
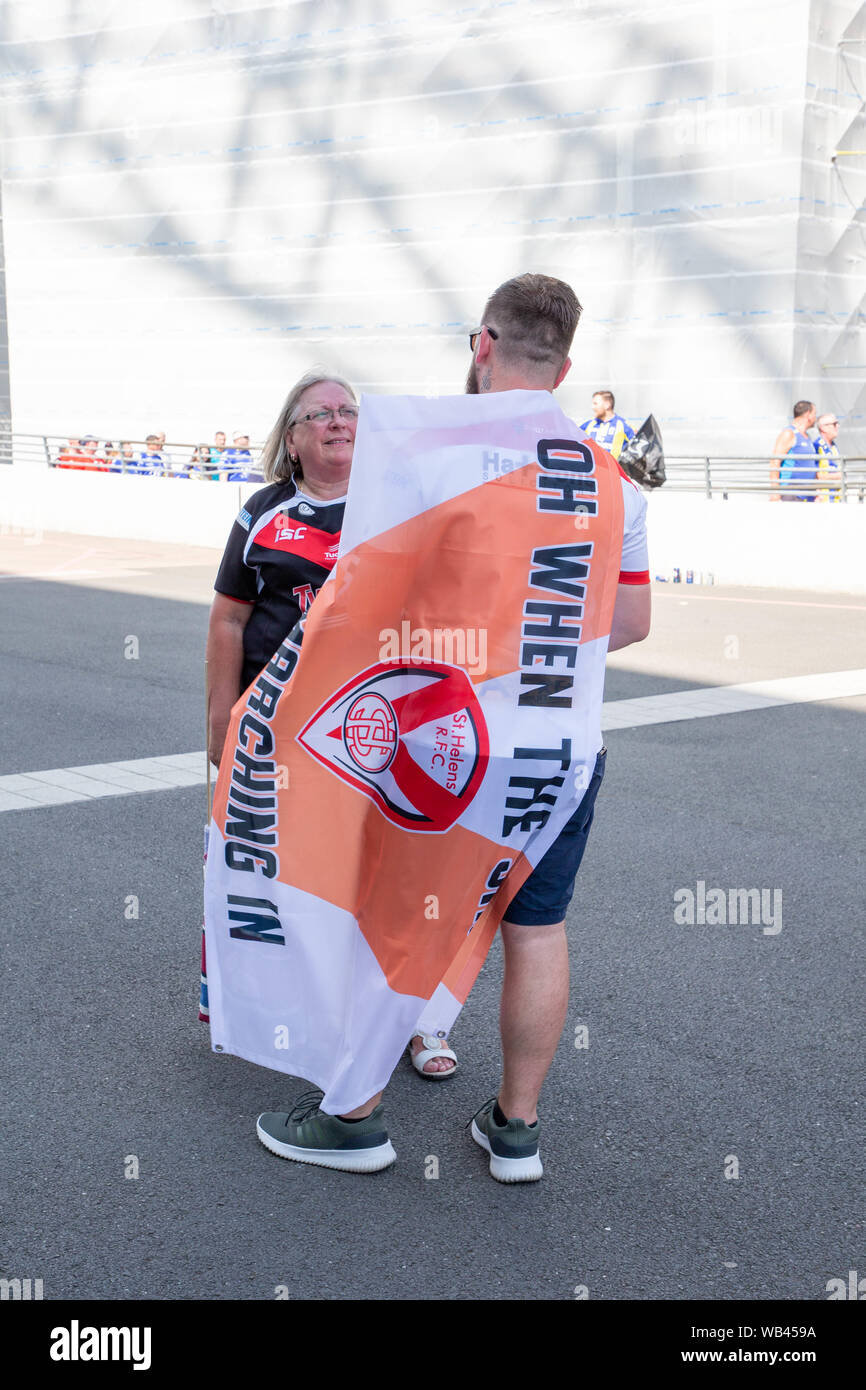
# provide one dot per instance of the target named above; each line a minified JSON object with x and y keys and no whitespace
{"x":239,"y":461}
{"x":163,"y":452}
{"x":150,"y":460}
{"x":829,"y":459}
{"x":608,"y":430}
{"x":110,"y":454}
{"x":70,"y":454}
{"x":219,"y":445}
{"x":201,"y":464}
{"x":794,"y":459}
{"x":125,"y":462}
{"x":91,"y":454}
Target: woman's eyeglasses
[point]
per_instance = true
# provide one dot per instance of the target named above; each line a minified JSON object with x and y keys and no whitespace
{"x":476,"y":333}
{"x":323,"y":417}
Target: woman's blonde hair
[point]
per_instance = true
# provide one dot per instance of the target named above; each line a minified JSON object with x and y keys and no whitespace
{"x":275,"y":462}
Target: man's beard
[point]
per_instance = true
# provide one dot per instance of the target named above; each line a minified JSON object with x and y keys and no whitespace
{"x":472,"y":380}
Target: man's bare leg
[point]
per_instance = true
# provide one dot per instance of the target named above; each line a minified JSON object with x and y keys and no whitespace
{"x":532,"y":1012}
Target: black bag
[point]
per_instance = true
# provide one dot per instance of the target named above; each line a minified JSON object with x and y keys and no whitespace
{"x":643,"y":456}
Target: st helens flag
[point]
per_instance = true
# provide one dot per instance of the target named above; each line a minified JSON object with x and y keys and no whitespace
{"x":418,"y":741}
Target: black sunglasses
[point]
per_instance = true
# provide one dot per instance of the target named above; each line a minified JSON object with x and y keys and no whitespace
{"x":476,"y":333}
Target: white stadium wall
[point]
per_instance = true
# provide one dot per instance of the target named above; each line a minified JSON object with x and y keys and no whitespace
{"x":742,"y":541}
{"x":203,"y":197}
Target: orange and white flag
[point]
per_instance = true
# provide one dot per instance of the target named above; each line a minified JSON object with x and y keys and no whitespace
{"x":389,"y":782}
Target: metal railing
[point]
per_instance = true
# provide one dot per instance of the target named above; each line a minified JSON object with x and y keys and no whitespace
{"x":722,"y":476}
{"x":713,"y":476}
{"x":56,"y":451}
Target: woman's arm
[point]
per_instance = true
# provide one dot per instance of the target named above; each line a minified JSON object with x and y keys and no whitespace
{"x":225,"y":659}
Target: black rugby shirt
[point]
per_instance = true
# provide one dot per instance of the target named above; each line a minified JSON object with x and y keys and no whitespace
{"x":280,"y":551}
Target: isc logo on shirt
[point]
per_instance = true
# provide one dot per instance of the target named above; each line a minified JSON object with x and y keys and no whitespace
{"x":291,"y":533}
{"x":411,"y":736}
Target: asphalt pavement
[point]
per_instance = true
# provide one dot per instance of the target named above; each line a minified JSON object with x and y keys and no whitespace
{"x":705,"y":1143}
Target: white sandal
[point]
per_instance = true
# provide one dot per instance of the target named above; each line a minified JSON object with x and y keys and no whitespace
{"x":430,"y":1049}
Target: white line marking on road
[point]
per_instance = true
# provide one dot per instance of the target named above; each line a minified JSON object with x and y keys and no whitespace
{"x":777,"y":602}
{"x":73,"y":574}
{"x":731,"y":699}
{"x":57,"y":786}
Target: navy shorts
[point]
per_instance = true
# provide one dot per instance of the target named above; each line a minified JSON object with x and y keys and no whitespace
{"x":544,"y":897}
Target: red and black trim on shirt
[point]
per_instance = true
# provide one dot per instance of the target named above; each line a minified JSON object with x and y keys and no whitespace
{"x":280,"y":551}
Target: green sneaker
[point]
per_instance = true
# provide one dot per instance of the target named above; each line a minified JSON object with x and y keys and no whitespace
{"x":310,"y":1136}
{"x":513,"y":1147}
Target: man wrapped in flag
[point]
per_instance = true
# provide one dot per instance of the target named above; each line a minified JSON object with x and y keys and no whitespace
{"x":425,"y":765}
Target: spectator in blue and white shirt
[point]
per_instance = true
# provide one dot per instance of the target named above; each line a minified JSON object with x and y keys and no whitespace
{"x":607,"y":429}
{"x":239,"y":461}
{"x":829,"y":459}
{"x":163,"y":452}
{"x":150,"y":460}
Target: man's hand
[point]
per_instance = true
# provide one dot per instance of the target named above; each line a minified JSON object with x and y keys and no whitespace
{"x":215,"y":743}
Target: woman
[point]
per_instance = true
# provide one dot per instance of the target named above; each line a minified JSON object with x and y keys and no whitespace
{"x":126,"y":460}
{"x":279,"y":553}
{"x":208,"y":462}
{"x":199,"y":465}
